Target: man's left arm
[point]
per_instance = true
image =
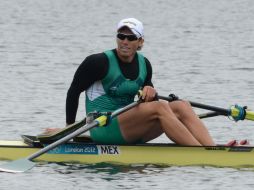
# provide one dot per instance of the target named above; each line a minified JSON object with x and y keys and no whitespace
{"x":149,"y":92}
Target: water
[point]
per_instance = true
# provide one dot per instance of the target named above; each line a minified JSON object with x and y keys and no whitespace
{"x":200,"y":50}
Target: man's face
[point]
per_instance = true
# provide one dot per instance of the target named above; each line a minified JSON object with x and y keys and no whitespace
{"x":127,"y":45}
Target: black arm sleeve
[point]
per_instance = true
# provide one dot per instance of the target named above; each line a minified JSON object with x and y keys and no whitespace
{"x":148,"y":81}
{"x":92,"y":69}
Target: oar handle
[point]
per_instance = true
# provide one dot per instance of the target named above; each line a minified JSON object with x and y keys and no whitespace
{"x":169,"y":98}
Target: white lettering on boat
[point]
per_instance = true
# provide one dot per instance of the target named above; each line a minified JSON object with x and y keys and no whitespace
{"x":80,"y":150}
{"x":108,"y":149}
{"x":74,"y":149}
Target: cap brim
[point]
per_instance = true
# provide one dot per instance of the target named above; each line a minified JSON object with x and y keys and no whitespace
{"x":131,"y":29}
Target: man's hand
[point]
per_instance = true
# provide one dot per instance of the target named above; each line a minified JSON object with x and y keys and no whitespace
{"x":148,"y":93}
{"x":50,"y":131}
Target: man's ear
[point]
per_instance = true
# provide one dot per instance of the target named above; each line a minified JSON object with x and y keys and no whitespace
{"x":141,"y":43}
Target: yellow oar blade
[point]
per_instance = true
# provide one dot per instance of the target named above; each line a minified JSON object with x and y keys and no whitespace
{"x":249,"y":115}
{"x":236,"y":112}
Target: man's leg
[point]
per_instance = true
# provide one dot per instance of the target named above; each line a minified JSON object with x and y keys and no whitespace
{"x":155,"y":118}
{"x":188,"y":117}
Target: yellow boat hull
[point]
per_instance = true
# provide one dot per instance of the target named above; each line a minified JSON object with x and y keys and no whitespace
{"x":161,"y":154}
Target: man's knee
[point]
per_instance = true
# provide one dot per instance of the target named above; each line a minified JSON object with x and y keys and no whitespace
{"x":157,"y":108}
{"x":181,"y":107}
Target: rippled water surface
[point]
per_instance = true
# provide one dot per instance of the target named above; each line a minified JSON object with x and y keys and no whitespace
{"x":200,"y":50}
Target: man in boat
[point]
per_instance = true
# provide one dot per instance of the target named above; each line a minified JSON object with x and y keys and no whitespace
{"x":112,"y":78}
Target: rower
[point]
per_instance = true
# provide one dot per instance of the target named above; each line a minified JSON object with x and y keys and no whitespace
{"x":112,"y":78}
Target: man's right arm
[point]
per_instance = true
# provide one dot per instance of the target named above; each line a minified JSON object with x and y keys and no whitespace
{"x":92,"y":69}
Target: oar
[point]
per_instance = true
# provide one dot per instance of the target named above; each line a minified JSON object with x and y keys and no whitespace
{"x":25,"y":164}
{"x":208,"y":114}
{"x":237,"y":112}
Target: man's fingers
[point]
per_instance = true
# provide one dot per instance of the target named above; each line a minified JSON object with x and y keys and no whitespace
{"x":148,"y":93}
{"x":144,"y":93}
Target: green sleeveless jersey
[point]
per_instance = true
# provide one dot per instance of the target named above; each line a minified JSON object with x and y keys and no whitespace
{"x":114,"y":90}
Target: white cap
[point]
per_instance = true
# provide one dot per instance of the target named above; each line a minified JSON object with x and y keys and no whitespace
{"x":133,"y":24}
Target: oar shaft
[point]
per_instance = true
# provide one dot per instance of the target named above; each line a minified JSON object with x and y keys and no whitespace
{"x":124,"y":109}
{"x":222,"y":111}
{"x":237,"y":112}
{"x":199,"y":105}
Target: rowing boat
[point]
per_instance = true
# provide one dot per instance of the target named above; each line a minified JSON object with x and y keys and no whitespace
{"x":148,"y":153}
{"x":64,"y":146}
